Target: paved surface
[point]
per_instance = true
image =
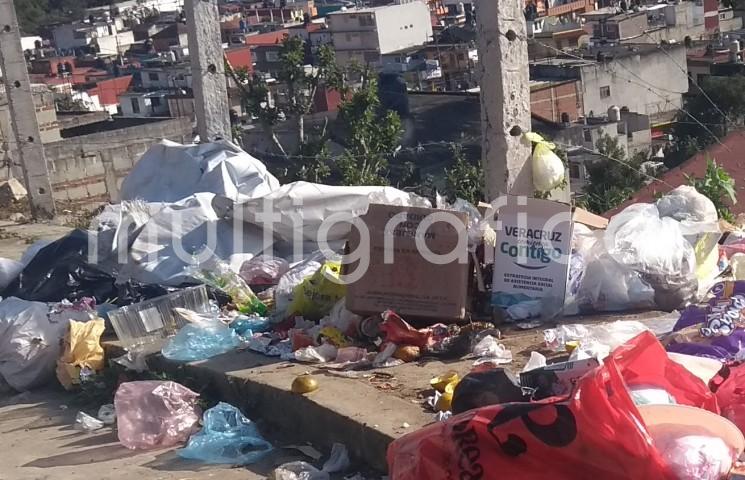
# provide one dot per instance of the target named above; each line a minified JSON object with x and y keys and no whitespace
{"x":38,"y":442}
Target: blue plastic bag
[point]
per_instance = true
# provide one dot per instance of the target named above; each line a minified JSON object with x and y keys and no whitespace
{"x":228,"y":437}
{"x":194,"y":343}
{"x":246,"y":326}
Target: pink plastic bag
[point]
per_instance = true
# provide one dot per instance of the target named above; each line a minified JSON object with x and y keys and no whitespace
{"x":155,"y":414}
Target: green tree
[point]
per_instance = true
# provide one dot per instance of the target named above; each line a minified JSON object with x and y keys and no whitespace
{"x":301,"y":81}
{"x":464,"y":179}
{"x":612,"y":182}
{"x":373,"y":134}
{"x":689,"y":133}
{"x":718,"y":186}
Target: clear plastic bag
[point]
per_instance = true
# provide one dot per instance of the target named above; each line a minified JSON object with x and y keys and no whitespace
{"x":228,"y":437}
{"x":693,"y":457}
{"x":654,"y":247}
{"x":222,"y":277}
{"x":193,"y":343}
{"x":153,"y":414}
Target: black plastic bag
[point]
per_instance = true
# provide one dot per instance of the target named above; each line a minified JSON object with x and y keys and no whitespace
{"x":491,"y":387}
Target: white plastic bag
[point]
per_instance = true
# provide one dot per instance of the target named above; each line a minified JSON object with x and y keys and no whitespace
{"x":489,"y":350}
{"x":29,"y":343}
{"x":9,"y":271}
{"x":694,"y":457}
{"x":548,"y":169}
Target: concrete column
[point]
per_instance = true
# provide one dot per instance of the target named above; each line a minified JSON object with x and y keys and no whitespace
{"x":505,"y":97}
{"x":208,"y":70}
{"x":23,"y":115}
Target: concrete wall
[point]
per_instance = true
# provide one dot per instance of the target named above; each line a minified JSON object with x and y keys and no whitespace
{"x":653,"y":70}
{"x":88,"y":170}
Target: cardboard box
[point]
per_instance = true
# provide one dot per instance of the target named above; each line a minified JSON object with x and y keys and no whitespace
{"x":534,"y":243}
{"x":411,"y":285}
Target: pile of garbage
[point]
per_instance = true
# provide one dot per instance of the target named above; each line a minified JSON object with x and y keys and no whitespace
{"x":208,"y":254}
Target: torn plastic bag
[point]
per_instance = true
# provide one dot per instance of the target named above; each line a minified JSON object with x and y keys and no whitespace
{"x":154,"y":414}
{"x":643,"y":362}
{"x":82,"y":350}
{"x":227,"y":437}
{"x":694,"y":457}
{"x":60,"y":271}
{"x":29,"y":343}
{"x":169,"y":172}
{"x":686,"y":204}
{"x":198,"y":342}
{"x":524,"y":441}
{"x":316,"y":295}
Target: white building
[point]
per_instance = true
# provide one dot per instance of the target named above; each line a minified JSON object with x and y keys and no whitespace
{"x":147,"y":104}
{"x":105,"y":36}
{"x":168,"y":77}
{"x":364,"y":34}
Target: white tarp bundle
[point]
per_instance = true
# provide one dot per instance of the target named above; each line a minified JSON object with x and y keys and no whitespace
{"x":196,"y":219}
{"x":169,"y":172}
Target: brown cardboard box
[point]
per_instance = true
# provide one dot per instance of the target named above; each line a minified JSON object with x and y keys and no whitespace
{"x":411,"y":285}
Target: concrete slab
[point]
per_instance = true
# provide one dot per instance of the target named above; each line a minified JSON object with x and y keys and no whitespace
{"x":365,"y":413}
{"x":15,"y":238}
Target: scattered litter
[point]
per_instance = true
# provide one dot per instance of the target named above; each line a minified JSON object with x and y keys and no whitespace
{"x":306,"y":450}
{"x":86,"y":423}
{"x":194,"y":343}
{"x":338,"y":462}
{"x":228,"y":437}
{"x":82,"y":350}
{"x":536,"y":360}
{"x":107,"y":414}
{"x":490,"y":351}
{"x":135,"y":359}
{"x":321,"y":354}
{"x":304,"y":384}
{"x":153,"y":414}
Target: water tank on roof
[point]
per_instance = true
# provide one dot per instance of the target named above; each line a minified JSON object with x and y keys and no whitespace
{"x":614,"y":114}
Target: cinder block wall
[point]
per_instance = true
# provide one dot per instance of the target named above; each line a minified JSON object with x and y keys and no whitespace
{"x":88,"y":170}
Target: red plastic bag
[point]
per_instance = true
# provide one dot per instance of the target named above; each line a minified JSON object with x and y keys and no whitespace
{"x":595,"y":434}
{"x":729,"y":388}
{"x":643,"y":362}
{"x":401,"y":333}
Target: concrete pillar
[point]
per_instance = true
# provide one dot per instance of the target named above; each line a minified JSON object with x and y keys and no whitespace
{"x":505,"y":97}
{"x":208,"y":70}
{"x":23,"y":115}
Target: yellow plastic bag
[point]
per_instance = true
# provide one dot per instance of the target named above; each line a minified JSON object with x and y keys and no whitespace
{"x":548,"y":169}
{"x":82,"y":349}
{"x":317,"y":294}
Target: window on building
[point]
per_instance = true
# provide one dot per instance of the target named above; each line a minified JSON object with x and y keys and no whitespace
{"x":605,"y":92}
{"x":367,"y":21}
{"x":153,"y":77}
{"x":371,"y":57}
{"x":587,"y":133}
{"x":272,"y":56}
{"x":155,"y":102}
{"x":722,"y":16}
{"x":574,"y":171}
{"x":461,"y":57}
{"x":135,"y":105}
